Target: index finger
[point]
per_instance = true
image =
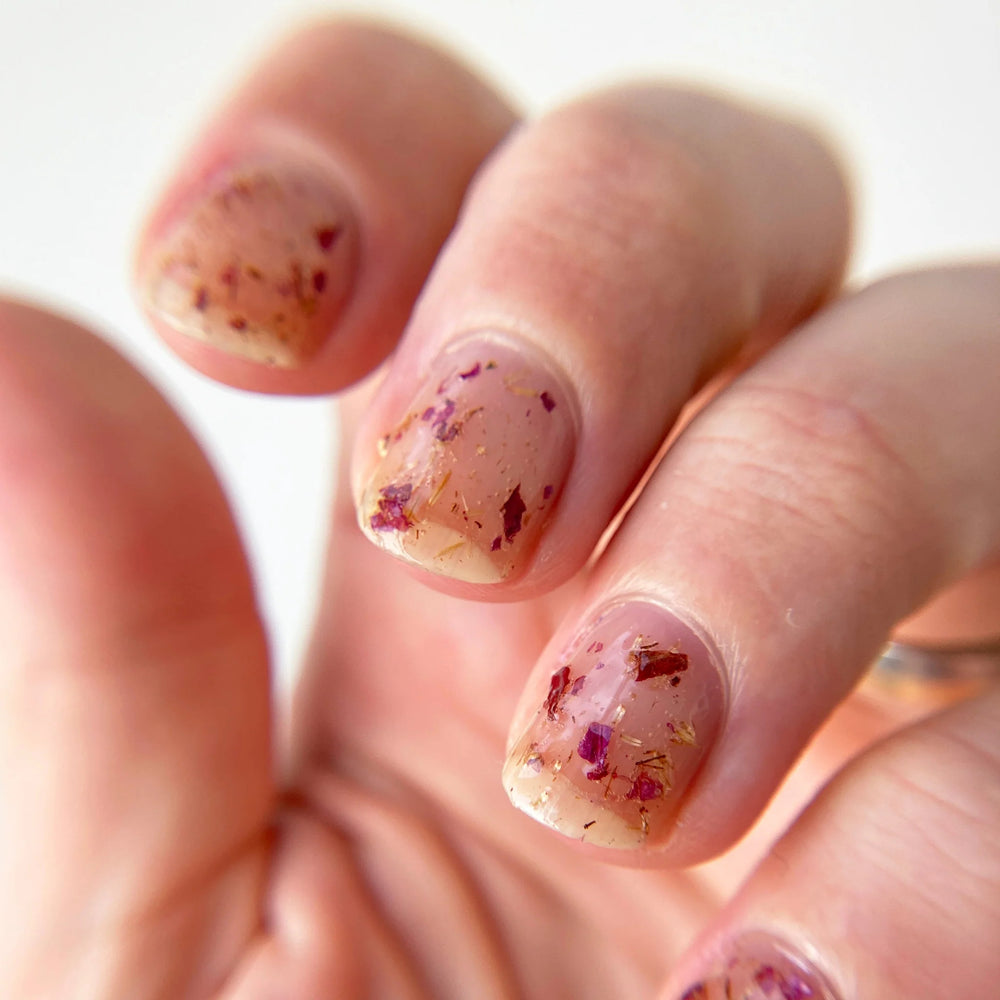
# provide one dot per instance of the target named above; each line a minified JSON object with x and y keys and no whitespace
{"x":287,"y":252}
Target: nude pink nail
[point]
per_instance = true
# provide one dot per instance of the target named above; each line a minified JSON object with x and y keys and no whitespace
{"x":621,"y":729}
{"x":473,"y":470}
{"x":761,"y":967}
{"x":259,"y":264}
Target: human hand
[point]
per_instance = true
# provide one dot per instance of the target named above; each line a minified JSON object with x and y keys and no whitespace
{"x":626,"y":251}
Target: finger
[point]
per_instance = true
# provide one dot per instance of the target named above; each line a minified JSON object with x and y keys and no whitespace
{"x":134,"y":722}
{"x":612,"y":257}
{"x":886,"y":887}
{"x":286,"y":254}
{"x":828,"y":492}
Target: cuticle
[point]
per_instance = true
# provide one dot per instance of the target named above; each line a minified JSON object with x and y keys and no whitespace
{"x":525,"y":347}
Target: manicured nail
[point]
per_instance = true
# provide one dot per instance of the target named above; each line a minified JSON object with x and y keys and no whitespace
{"x":761,"y":968}
{"x":472,"y":471}
{"x":259,"y":265}
{"x":621,"y":730}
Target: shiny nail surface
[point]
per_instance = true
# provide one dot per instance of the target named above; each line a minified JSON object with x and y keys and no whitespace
{"x":761,"y":968}
{"x":259,"y":266}
{"x":475,"y":466}
{"x":621,"y":730}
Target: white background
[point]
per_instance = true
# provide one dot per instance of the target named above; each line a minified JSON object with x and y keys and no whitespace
{"x":97,"y":97}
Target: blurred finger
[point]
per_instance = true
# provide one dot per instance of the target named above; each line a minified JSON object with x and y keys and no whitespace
{"x":887,"y":886}
{"x":287,"y":251}
{"x":135,"y":773}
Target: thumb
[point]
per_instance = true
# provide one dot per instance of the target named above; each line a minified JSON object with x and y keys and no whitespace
{"x":135,"y":776}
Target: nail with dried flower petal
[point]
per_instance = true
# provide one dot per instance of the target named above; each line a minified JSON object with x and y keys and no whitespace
{"x":626,"y":719}
{"x":759,"y":966}
{"x":472,"y":471}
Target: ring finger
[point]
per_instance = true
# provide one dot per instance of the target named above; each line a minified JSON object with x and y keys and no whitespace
{"x":828,"y":492}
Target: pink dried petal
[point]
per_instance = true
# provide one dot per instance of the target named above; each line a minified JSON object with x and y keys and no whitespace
{"x":593,"y":748}
{"x":644,"y":788}
{"x":390,"y":514}
{"x":781,"y":987}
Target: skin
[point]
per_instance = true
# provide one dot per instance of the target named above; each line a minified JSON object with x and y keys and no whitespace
{"x":168,"y":844}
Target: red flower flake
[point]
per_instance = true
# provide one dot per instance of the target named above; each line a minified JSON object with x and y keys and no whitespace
{"x":593,"y":748}
{"x":548,"y":402}
{"x":495,"y":547}
{"x":326,"y":236}
{"x":391,"y":513}
{"x":229,"y":276}
{"x":578,"y":685}
{"x":238,"y":322}
{"x":319,"y":280}
{"x":547,"y":492}
{"x":428,"y":414}
{"x":201,"y":298}
{"x":472,"y":372}
{"x":595,"y":647}
{"x":513,"y":510}
{"x":644,"y":788}
{"x":557,"y":687}
{"x":650,"y":662}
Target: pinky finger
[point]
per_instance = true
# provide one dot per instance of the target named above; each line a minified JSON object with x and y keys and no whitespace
{"x":887,"y":886}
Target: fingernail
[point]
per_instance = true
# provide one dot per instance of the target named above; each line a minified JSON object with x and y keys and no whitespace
{"x":760,"y":967}
{"x":621,"y":729}
{"x":472,"y":471}
{"x":260,"y":265}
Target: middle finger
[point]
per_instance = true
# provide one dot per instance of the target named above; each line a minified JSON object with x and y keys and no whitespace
{"x":611,"y":258}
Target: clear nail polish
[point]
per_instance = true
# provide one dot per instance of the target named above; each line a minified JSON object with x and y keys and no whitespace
{"x":259,"y":265}
{"x":621,"y":729}
{"x":471,"y":473}
{"x":761,"y":967}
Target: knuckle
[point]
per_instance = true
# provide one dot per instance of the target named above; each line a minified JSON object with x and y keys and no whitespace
{"x":820,"y":458}
{"x":601,"y":193}
{"x":594,"y":174}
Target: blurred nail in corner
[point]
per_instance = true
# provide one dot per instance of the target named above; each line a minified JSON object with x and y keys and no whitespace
{"x":630,"y":711}
{"x":260,"y":264}
{"x":761,"y":967}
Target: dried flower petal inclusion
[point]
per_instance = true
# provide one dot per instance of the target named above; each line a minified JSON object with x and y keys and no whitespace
{"x":622,"y":729}
{"x":469,"y":475}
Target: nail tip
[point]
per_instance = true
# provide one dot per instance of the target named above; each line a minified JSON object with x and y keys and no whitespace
{"x":596,"y":827}
{"x":440,"y":551}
